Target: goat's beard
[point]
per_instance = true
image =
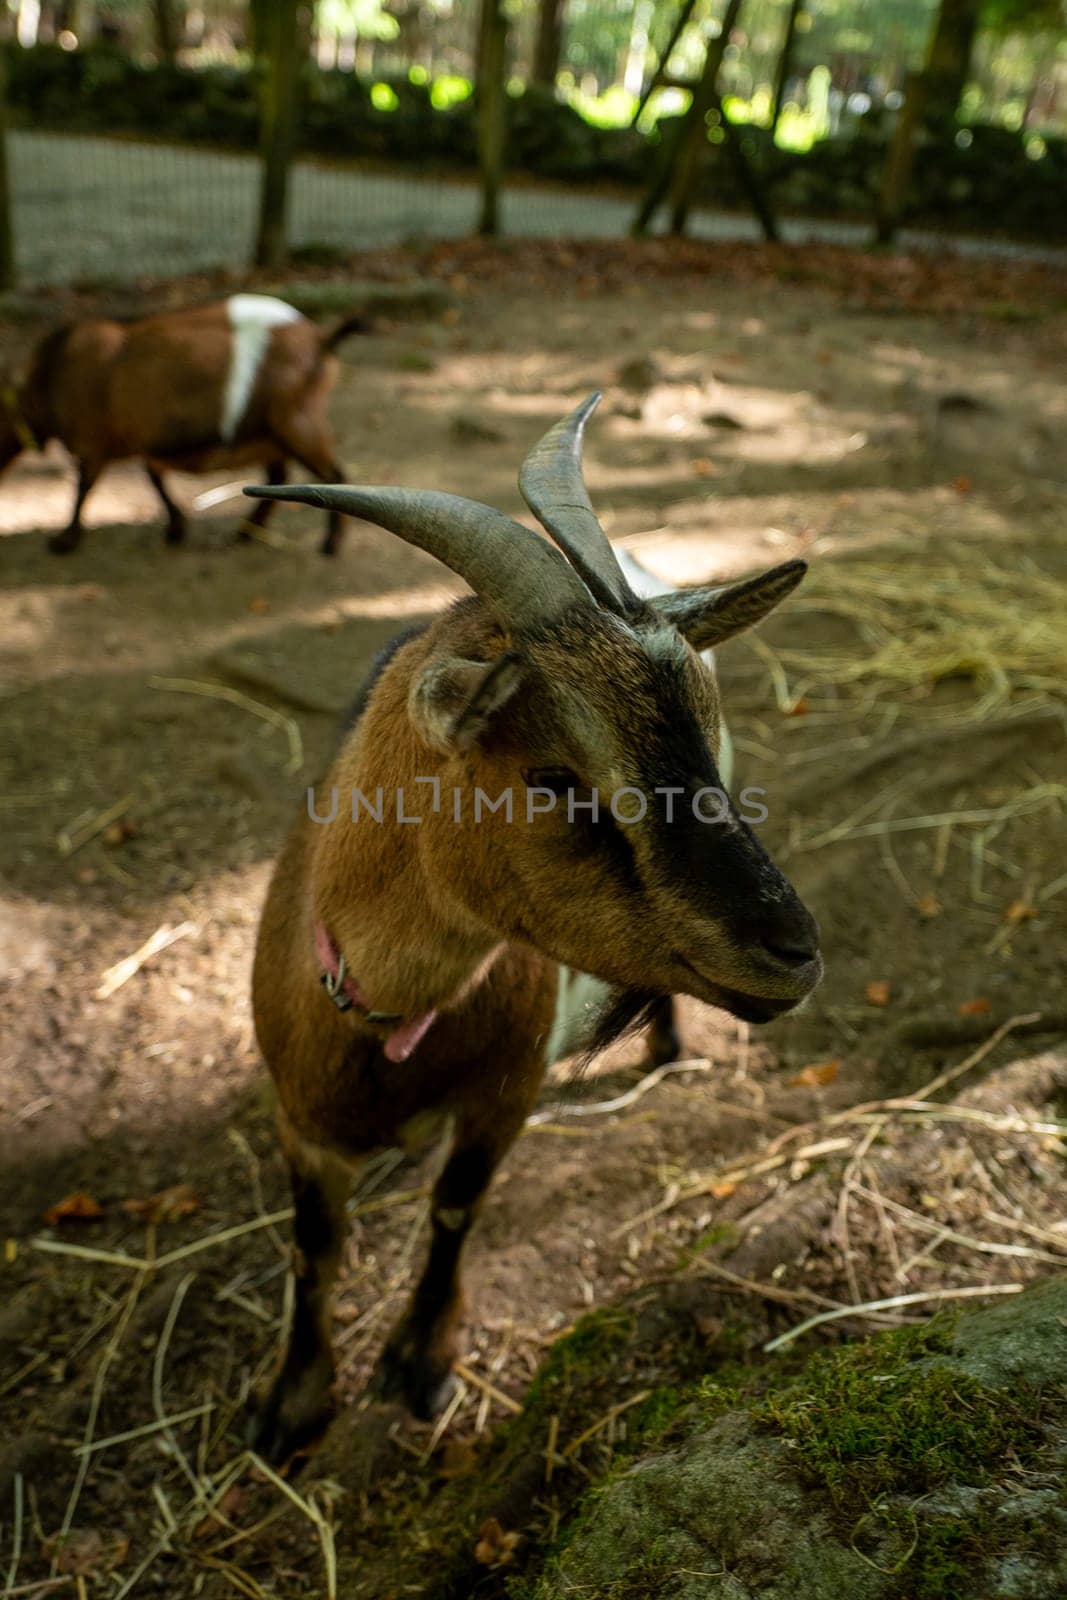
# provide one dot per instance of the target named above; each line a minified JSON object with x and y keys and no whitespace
{"x":624,"y":1013}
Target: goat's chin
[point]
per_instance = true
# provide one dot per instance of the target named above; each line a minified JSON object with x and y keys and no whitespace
{"x":750,"y":1007}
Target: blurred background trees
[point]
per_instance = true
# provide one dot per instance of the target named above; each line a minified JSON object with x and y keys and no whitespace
{"x":891,"y":110}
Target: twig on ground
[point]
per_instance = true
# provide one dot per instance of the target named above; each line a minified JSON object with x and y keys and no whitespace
{"x":478,"y":1382}
{"x":16,"y":1537}
{"x":220,"y":691}
{"x":784,"y":1339}
{"x":113,"y":979}
{"x":87,"y":826}
{"x":95,"y":1398}
{"x":602,"y":1422}
{"x":310,"y":1510}
{"x":603,"y":1108}
{"x":143,"y":1432}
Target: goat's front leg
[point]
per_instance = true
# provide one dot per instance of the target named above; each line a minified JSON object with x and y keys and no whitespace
{"x":416,"y":1365}
{"x":300,"y":1402}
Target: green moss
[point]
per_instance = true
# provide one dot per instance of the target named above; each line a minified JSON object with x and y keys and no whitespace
{"x":593,"y":1344}
{"x":884,"y":1417}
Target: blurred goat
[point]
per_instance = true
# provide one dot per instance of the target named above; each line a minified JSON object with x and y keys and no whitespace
{"x":242,"y":382}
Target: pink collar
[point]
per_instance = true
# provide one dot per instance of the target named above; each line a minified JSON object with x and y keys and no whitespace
{"x":345,"y":993}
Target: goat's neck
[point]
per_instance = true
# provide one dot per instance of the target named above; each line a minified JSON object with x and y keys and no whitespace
{"x":410,"y":944}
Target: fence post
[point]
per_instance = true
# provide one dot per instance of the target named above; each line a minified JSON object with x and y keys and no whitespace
{"x":7,"y":235}
{"x":492,"y":66}
{"x":277,"y":34}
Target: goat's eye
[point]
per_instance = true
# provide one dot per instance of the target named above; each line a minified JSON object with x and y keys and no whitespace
{"x":558,"y":779}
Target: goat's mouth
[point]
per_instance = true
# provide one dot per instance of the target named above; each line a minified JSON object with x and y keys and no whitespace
{"x":740,"y":1003}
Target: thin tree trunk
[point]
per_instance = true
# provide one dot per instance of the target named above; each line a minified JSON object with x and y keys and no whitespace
{"x":933,"y":93}
{"x":277,"y":35}
{"x":492,"y":65}
{"x":750,"y":180}
{"x":549,"y":43}
{"x":661,"y":66}
{"x":168,"y":29}
{"x":694,"y":138}
{"x":7,"y":235}
{"x":785,"y":62}
{"x":684,"y":143}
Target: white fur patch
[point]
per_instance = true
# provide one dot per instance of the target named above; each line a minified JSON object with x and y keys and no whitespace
{"x":252,"y":316}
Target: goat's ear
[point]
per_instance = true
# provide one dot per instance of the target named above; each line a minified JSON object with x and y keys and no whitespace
{"x":706,"y":617}
{"x":453,"y":701}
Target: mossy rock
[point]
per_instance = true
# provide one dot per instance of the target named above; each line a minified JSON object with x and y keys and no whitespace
{"x":926,"y":1464}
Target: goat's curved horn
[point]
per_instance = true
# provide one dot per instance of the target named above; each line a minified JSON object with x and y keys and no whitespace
{"x":513,"y":570}
{"x":552,"y":485}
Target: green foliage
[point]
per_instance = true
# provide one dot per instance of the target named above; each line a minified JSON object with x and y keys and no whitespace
{"x":990,"y":177}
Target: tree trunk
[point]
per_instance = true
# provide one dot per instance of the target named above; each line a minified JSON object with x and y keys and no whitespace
{"x":932,"y":96}
{"x":949,"y":63}
{"x":277,"y":35}
{"x":168,"y":29}
{"x":549,"y":43}
{"x":491,"y":68}
{"x":676,"y":33}
{"x":785,"y":62}
{"x":694,"y":137}
{"x":7,"y":236}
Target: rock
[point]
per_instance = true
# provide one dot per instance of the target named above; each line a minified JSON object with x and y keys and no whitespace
{"x":956,"y":1434}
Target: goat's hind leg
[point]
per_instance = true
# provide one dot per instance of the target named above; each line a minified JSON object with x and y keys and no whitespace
{"x":300,"y":1403}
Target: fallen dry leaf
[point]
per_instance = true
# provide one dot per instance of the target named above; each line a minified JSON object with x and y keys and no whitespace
{"x":877,"y":992}
{"x":928,"y":905}
{"x":495,"y":1548}
{"x":702,"y":467}
{"x":815,"y":1075}
{"x":709,"y":1328}
{"x":962,"y":485}
{"x":260,"y":605}
{"x":799,"y":708}
{"x":85,"y":1553}
{"x":77,"y":1207}
{"x":722,"y":1191}
{"x":170,"y":1205}
{"x":973,"y":1008}
{"x":1019,"y":911}
{"x":222,"y":1514}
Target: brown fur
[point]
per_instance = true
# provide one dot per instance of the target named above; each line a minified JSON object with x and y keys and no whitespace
{"x":473,"y":919}
{"x":152,"y":390}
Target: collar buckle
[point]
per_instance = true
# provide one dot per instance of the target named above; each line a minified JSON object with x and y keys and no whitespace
{"x":334,"y":984}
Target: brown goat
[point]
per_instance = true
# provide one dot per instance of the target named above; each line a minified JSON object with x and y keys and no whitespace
{"x":229,"y":385}
{"x":413,"y":976}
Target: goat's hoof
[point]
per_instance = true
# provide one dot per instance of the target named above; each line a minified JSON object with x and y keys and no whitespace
{"x":61,"y":544}
{"x":175,"y":533}
{"x":287,"y":1423}
{"x":423,"y":1387}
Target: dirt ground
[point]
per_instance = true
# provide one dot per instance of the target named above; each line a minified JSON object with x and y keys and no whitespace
{"x":915,"y":784}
